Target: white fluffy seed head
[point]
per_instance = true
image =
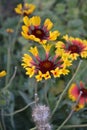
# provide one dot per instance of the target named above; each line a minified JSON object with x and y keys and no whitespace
{"x":41,"y":114}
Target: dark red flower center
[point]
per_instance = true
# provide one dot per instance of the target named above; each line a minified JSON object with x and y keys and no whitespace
{"x":46,"y":65}
{"x":74,"y":49}
{"x":84,"y":92}
{"x":40,"y":33}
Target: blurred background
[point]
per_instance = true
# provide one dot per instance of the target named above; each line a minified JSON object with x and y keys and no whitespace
{"x":69,"y":17}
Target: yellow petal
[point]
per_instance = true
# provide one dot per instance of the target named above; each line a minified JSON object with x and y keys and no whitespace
{"x":24,"y":35}
{"x":47,"y":75}
{"x":34,"y":51}
{"x":35,"y":20}
{"x":25,"y":29}
{"x":26,"y":21}
{"x":18,"y":9}
{"x":39,"y":76}
{"x":2,"y":73}
{"x":54,"y":35}
{"x":30,"y":71}
{"x":48,"y":24}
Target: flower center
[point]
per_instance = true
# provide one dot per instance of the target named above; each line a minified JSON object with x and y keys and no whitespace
{"x":40,"y":33}
{"x":74,"y":49}
{"x":84,"y":92}
{"x":46,"y":65}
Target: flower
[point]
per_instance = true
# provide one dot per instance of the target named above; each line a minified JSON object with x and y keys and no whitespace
{"x":41,"y":115}
{"x":26,"y":9}
{"x":33,"y":30}
{"x":45,"y":66}
{"x":75,"y":47}
{"x":74,"y":91}
{"x":2,"y":73}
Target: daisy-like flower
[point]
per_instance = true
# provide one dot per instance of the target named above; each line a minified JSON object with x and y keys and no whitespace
{"x":74,"y":91}
{"x":33,"y":30}
{"x":2,"y":73}
{"x":25,"y":9}
{"x":75,"y":47}
{"x":46,"y":66}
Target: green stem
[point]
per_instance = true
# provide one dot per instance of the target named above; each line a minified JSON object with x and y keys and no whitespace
{"x":10,"y":51}
{"x":72,"y":111}
{"x":2,"y":119}
{"x":18,"y":111}
{"x":74,"y":126}
{"x":63,"y":93}
{"x":16,"y":33}
{"x":33,"y":128}
{"x":45,"y":92}
{"x":10,"y":81}
{"x":1,"y":126}
{"x":8,"y":64}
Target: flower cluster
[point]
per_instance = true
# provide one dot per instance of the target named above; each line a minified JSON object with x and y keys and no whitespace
{"x":54,"y":54}
{"x":52,"y":64}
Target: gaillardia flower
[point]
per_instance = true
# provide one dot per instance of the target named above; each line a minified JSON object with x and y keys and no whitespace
{"x":74,"y":91}
{"x":75,"y":47}
{"x":44,"y":66}
{"x":26,"y":9}
{"x":2,"y":73}
{"x":33,"y":30}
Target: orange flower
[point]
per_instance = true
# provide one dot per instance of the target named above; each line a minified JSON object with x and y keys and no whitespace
{"x":75,"y":90}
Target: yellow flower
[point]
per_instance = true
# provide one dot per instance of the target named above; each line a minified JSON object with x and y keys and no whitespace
{"x":33,"y":30}
{"x":74,"y":47}
{"x":44,"y":67}
{"x":2,"y":73}
{"x":26,"y":9}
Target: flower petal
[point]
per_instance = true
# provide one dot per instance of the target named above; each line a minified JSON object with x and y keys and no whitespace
{"x":48,"y":24}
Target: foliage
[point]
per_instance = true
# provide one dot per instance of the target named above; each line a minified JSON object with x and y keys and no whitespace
{"x":18,"y":90}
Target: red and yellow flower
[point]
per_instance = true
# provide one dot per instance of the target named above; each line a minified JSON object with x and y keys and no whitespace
{"x":74,"y":91}
{"x":2,"y":73}
{"x":75,"y":47}
{"x":44,"y":66}
{"x":25,"y":9}
{"x":33,"y":30}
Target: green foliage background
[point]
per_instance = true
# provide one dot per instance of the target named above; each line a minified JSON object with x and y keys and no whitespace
{"x":69,"y":17}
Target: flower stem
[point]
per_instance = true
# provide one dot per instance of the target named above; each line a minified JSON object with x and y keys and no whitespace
{"x":33,"y":128}
{"x":8,"y":64}
{"x":72,"y":111}
{"x":10,"y":51}
{"x":63,"y":93}
{"x":74,"y":126}
{"x":45,"y":92}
